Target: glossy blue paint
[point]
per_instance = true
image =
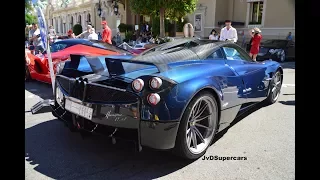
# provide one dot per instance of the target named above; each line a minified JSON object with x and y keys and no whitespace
{"x":234,"y":82}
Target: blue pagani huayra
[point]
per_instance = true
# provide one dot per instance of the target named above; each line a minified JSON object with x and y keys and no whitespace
{"x":177,"y":95}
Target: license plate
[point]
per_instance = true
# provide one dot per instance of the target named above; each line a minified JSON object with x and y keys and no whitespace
{"x":79,"y":109}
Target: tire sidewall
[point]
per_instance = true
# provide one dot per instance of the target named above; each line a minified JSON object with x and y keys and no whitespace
{"x":181,"y":143}
{"x":270,"y":100}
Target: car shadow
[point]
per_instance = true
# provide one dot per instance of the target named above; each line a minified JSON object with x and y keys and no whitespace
{"x":288,"y":65}
{"x":290,"y":103}
{"x":43,"y":90}
{"x":60,"y":154}
{"x":238,"y":119}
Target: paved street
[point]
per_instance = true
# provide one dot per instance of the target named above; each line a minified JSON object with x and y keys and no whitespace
{"x":265,"y":136}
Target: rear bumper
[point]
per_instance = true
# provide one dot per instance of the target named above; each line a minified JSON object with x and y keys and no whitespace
{"x":154,"y":134}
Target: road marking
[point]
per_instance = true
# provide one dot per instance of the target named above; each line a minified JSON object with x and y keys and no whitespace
{"x":288,"y":85}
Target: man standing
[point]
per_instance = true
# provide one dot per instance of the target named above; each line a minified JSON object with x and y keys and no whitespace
{"x":86,"y":33}
{"x":228,"y":33}
{"x":93,"y":35}
{"x":106,"y":33}
{"x":36,"y":38}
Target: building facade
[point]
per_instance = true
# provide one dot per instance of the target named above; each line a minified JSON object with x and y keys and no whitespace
{"x":275,"y":18}
{"x":64,"y":14}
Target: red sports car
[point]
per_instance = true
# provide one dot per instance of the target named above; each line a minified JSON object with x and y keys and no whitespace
{"x":37,"y":66}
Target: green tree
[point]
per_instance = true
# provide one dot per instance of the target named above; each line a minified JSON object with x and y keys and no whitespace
{"x":29,"y":15}
{"x":173,"y":9}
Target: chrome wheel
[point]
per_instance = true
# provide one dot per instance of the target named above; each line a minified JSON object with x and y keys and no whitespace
{"x":201,"y":125}
{"x":276,"y":86}
{"x":283,"y":56}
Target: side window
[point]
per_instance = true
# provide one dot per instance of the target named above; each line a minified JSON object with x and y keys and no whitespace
{"x":235,"y":54}
{"x":216,"y":55}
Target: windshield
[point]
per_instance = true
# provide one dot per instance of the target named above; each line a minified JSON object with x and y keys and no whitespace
{"x":280,"y":43}
{"x":58,"y":47}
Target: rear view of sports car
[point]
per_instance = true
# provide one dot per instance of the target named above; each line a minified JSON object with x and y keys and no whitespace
{"x":177,"y":96}
{"x":37,"y":67}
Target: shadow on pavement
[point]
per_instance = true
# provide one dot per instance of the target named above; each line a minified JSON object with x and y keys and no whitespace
{"x":292,"y":103}
{"x":61,"y":154}
{"x":43,"y":90}
{"x":288,"y":65}
{"x":238,"y":119}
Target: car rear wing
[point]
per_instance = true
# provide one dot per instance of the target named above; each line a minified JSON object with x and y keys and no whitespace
{"x":112,"y":63}
{"x":115,"y":66}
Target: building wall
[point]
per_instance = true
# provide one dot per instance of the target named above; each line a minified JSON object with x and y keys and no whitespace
{"x":81,"y":8}
{"x":277,"y":19}
{"x":279,"y":13}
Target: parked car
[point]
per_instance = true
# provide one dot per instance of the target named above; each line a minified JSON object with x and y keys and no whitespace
{"x":127,"y":47}
{"x":37,"y":66}
{"x":177,"y":95}
{"x":277,"y":49}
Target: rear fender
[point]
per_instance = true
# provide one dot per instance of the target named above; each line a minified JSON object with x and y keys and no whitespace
{"x":181,"y":95}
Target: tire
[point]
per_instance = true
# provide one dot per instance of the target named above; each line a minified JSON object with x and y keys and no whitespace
{"x":274,"y":88}
{"x":184,"y":140}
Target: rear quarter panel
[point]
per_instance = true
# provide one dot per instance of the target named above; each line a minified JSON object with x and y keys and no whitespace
{"x":192,"y":78}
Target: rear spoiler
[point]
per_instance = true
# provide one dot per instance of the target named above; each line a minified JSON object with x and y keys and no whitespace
{"x":113,"y":64}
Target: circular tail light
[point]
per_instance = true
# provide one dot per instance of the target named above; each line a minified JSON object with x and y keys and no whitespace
{"x":137,"y":85}
{"x":155,"y":83}
{"x":153,"y":99}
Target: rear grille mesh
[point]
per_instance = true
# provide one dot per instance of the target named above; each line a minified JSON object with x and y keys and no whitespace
{"x":104,"y":94}
{"x":65,"y":84}
{"x":95,"y":93}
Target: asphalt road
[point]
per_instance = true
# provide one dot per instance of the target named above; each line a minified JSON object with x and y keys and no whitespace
{"x":265,"y":136}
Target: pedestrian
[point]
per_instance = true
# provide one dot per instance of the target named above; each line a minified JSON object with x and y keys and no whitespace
{"x":213,"y":35}
{"x":71,"y":34}
{"x":228,"y":33}
{"x":106,"y":33}
{"x":36,"y":38}
{"x":85,"y":34}
{"x":93,"y":35}
{"x":289,"y":37}
{"x":255,"y":45}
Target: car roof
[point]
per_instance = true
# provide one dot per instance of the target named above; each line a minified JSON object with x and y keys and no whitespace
{"x":180,"y":50}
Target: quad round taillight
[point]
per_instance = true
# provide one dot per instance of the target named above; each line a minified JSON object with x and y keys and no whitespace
{"x":155,"y":83}
{"x":153,"y":99}
{"x":137,"y":85}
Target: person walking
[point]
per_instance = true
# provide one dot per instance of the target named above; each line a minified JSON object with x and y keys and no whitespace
{"x":213,"y":35}
{"x":106,"y":33}
{"x":255,"y":45}
{"x":228,"y":33}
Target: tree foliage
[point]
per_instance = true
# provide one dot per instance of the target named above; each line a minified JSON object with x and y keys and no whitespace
{"x":174,"y":9}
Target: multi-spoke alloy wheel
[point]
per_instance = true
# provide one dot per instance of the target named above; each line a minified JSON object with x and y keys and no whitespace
{"x":198,"y":126}
{"x":275,"y":88}
{"x":283,"y":56}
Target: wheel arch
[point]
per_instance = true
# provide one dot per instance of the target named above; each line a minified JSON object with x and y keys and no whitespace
{"x":209,"y":89}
